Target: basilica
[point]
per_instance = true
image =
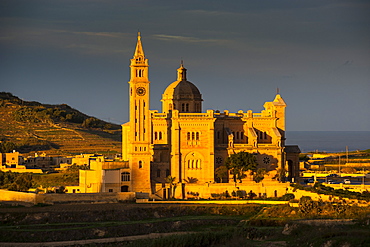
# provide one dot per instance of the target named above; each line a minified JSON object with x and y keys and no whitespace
{"x":187,"y":144}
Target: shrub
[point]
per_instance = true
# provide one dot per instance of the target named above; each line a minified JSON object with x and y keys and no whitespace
{"x":288,"y":197}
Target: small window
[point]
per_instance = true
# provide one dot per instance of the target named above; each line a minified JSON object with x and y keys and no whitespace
{"x":197,"y":136}
{"x":188,"y":136}
{"x":125,"y":176}
{"x":110,"y":190}
{"x":140,"y":164}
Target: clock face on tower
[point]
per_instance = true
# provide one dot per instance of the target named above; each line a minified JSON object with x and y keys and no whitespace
{"x":140,"y":91}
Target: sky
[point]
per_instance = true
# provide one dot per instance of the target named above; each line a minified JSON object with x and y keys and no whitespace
{"x":236,"y":52}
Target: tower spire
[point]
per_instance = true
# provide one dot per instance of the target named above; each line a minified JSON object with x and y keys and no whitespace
{"x":139,"y":51}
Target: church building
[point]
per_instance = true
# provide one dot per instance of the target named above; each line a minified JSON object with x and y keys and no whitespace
{"x":189,"y":144}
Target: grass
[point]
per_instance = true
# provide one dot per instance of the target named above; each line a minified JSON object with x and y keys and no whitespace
{"x":207,"y":226}
{"x":87,"y":225}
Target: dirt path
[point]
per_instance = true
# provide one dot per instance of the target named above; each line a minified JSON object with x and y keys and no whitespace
{"x":95,"y":241}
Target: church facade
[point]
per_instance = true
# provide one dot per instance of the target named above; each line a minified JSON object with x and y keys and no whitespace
{"x":188,"y":145}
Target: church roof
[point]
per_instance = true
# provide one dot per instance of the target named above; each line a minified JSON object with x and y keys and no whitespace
{"x":279,"y":100}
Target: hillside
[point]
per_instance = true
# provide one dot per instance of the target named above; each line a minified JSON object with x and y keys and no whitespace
{"x":30,"y":127}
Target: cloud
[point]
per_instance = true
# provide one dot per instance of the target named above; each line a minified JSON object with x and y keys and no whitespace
{"x":98,"y":34}
{"x":79,"y":41}
{"x":348,"y":63}
{"x":166,"y":37}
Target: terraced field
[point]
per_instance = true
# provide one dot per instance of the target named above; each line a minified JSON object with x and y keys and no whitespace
{"x":55,"y":137}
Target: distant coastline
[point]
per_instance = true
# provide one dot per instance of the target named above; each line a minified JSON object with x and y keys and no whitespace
{"x":329,"y":141}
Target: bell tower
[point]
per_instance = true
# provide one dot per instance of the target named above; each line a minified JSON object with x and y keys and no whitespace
{"x":139,"y":155}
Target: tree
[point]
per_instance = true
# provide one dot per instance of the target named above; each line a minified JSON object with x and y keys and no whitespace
{"x":280,"y":175}
{"x":222,"y":172}
{"x":171,"y":180}
{"x":191,"y":180}
{"x":238,"y":164}
{"x":7,"y":147}
{"x":16,"y":181}
{"x":259,"y":174}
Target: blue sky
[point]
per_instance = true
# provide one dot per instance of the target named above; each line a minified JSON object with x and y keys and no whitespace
{"x":237,"y":52}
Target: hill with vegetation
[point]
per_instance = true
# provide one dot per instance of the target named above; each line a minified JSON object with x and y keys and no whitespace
{"x":29,"y":126}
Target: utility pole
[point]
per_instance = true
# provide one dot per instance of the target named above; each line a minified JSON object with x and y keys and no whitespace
{"x":339,"y":165}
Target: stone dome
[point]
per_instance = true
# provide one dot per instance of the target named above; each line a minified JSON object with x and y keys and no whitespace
{"x":182,"y":92}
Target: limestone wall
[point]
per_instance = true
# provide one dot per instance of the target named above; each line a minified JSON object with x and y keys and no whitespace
{"x":68,"y":198}
{"x":6,"y":195}
{"x":205,"y":191}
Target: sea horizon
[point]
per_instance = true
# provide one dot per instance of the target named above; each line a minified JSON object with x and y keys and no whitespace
{"x":329,"y":141}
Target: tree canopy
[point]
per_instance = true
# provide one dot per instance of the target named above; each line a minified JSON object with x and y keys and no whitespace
{"x":15,"y":181}
{"x":238,"y":164}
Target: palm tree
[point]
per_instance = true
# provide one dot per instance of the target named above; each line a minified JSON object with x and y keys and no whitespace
{"x":171,"y":180}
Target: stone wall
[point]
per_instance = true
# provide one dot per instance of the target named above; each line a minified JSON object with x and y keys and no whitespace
{"x":53,"y":198}
{"x":206,"y":190}
{"x":6,"y":195}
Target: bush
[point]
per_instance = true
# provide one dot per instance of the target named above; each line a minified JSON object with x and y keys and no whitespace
{"x":288,"y":197}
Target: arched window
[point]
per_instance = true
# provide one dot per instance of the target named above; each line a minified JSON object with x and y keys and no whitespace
{"x":188,"y":136}
{"x":139,"y":73}
{"x":192,"y":135}
{"x":140,"y":164}
{"x":187,"y":107}
{"x":197,"y":136}
{"x":155,"y":135}
{"x":125,"y":176}
{"x":182,"y":107}
{"x":160,"y":136}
